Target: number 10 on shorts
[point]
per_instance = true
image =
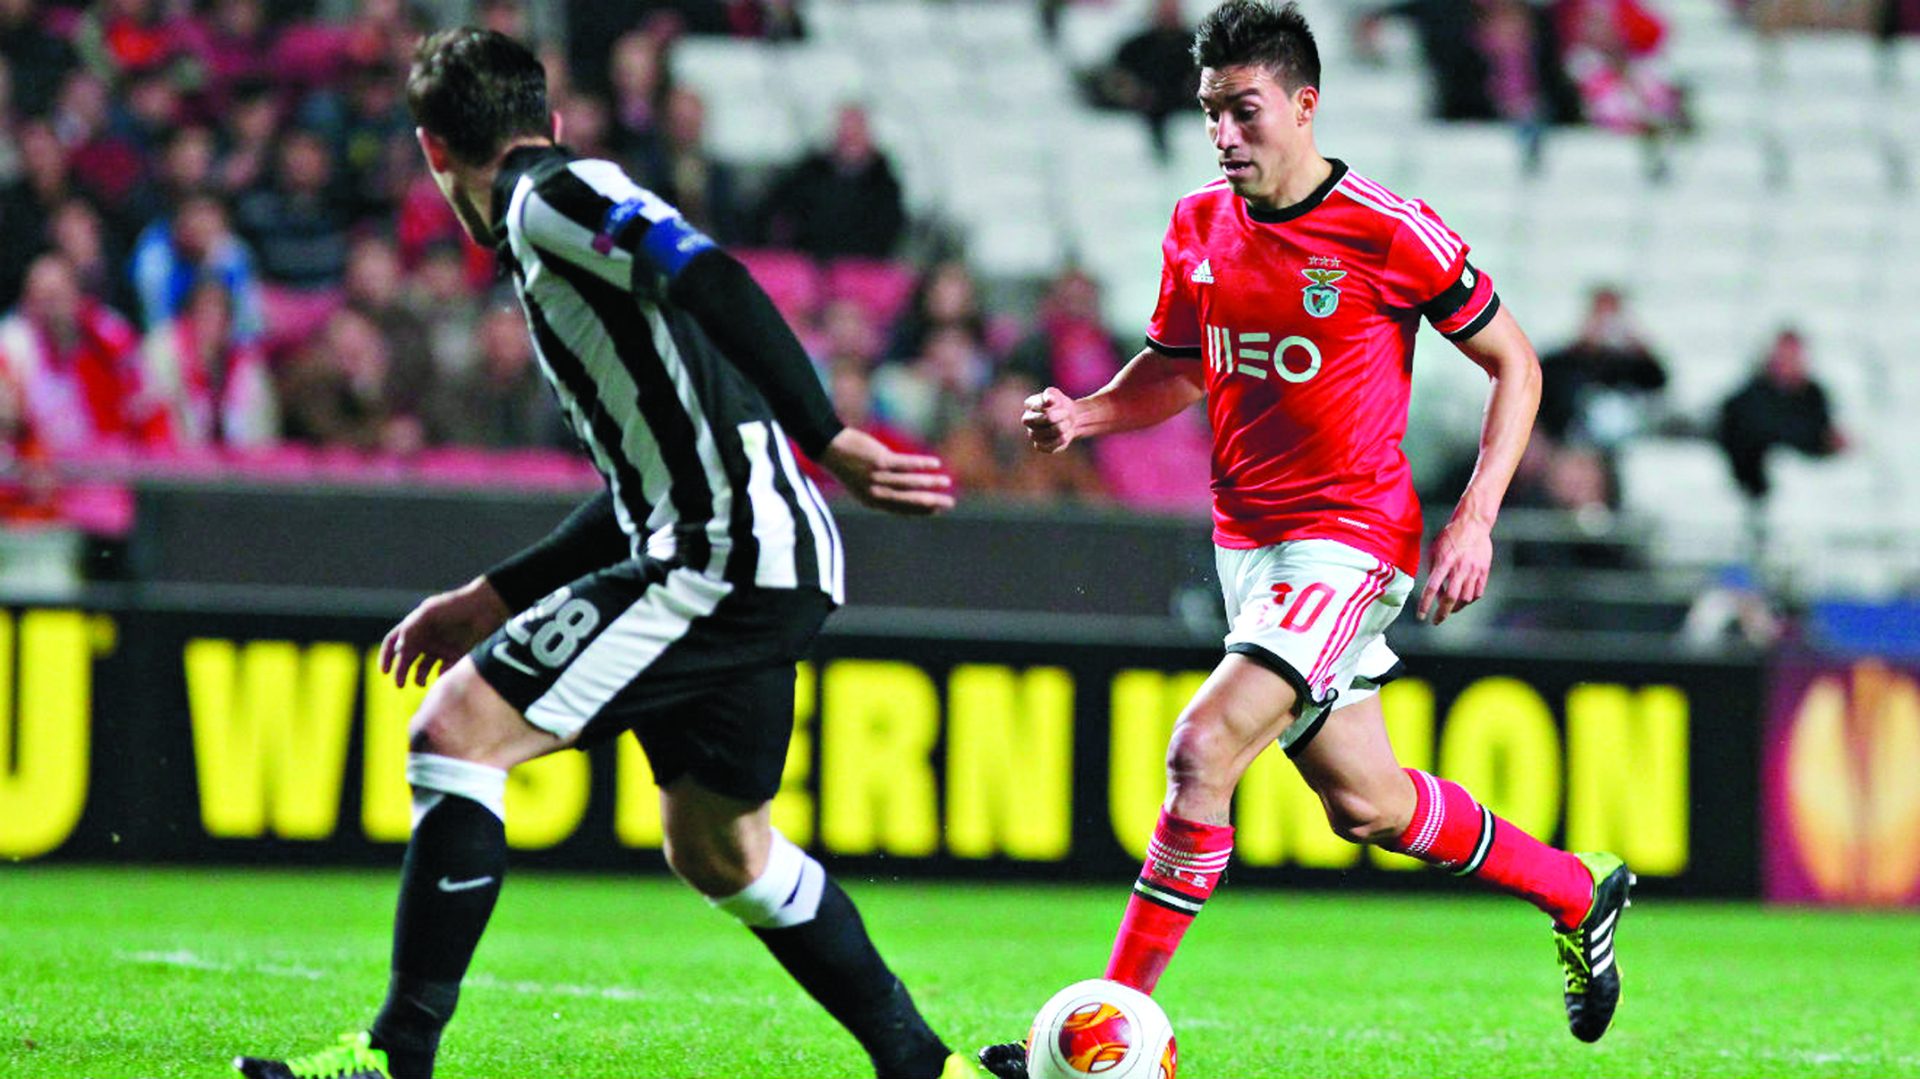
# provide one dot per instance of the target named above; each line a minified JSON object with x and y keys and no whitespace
{"x":1307,"y":605}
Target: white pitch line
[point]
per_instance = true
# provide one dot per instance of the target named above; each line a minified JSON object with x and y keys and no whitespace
{"x":186,"y":960}
{"x":1819,"y":1057}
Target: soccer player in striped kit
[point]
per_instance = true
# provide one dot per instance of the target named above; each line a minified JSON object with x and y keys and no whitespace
{"x":675,"y":604}
{"x":1291,"y":288}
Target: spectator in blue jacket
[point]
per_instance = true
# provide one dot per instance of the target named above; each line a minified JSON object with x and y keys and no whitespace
{"x":174,"y":254}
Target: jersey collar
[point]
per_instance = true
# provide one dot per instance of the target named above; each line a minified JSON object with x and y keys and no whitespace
{"x":1275,"y":217}
{"x":517,"y":163}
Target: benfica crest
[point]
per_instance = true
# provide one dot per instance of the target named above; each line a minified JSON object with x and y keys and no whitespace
{"x":1321,"y":298}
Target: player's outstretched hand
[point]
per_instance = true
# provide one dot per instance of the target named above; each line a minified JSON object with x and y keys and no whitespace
{"x":1457,"y":574}
{"x":441,"y":630}
{"x":906,"y":483}
{"x":1051,"y":420}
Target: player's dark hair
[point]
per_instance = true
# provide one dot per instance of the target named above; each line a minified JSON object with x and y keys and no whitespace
{"x":1241,"y":32}
{"x":477,"y":89}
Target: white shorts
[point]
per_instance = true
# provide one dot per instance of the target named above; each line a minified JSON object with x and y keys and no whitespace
{"x":1316,"y":613}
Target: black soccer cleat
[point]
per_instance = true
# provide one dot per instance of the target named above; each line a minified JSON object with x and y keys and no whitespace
{"x":1586,"y":952}
{"x":1008,"y":1060}
{"x":353,"y":1058}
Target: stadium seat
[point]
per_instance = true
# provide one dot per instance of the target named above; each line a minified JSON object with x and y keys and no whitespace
{"x":1386,"y":96}
{"x":1596,"y":158}
{"x":895,"y":24}
{"x":993,"y":26}
{"x":1829,"y":66}
{"x":791,"y":279}
{"x":1853,"y":173}
{"x":1005,"y":247}
{"x":879,"y":286}
{"x":1684,"y":490}
{"x":722,"y":68}
{"x":815,"y":79}
{"x":1090,"y":33}
{"x":1724,"y":165}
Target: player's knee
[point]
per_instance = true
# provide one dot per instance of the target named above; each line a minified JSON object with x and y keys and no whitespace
{"x":451,"y":723}
{"x":1199,"y":753}
{"x":1359,"y":819}
{"x":442,"y":726}
{"x":710,"y":868}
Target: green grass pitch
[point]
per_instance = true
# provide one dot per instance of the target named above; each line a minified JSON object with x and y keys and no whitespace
{"x":129,"y":972}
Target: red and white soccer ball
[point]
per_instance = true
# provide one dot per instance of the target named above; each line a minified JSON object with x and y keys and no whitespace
{"x":1099,"y":1029}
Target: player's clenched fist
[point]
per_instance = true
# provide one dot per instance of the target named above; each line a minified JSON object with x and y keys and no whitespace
{"x":1050,"y":420}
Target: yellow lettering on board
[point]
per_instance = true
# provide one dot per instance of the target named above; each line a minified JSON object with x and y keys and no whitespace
{"x":546,"y":798}
{"x":1144,"y":706}
{"x":1009,"y":762}
{"x":793,"y":806}
{"x":270,"y":723}
{"x":1408,"y":706}
{"x":45,"y":736}
{"x":880,"y":721}
{"x":636,"y":798}
{"x":1278,"y":818}
{"x":386,"y":802}
{"x":1500,"y":743}
{"x":1627,"y":774}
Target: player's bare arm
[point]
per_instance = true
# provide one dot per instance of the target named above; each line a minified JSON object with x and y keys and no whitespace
{"x":1152,"y":388}
{"x":446,"y":626}
{"x":1462,"y":553}
{"x":904,"y":483}
{"x":441,"y":629}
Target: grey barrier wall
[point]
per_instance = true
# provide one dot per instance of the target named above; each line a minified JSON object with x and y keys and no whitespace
{"x":417,"y":541}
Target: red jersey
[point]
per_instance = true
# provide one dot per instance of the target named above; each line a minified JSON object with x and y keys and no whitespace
{"x":1305,"y":318}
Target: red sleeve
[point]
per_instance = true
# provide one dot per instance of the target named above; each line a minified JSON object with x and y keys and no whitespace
{"x":1427,"y":270}
{"x":1175,"y":327}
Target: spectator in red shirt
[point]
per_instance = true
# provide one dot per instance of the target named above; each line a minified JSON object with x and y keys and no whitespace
{"x":1069,"y":346}
{"x":214,"y":387}
{"x":73,"y":360}
{"x":1612,"y":51}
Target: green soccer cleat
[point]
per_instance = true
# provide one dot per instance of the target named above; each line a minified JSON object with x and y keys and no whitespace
{"x":959,"y":1067}
{"x":1586,"y":951}
{"x":354,"y":1058}
{"x":1008,"y":1060}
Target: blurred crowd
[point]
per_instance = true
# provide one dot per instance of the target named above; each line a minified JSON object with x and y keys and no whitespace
{"x":216,"y":235}
{"x":1538,"y":64}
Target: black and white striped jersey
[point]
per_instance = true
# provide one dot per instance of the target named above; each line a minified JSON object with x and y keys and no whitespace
{"x":695,"y":456}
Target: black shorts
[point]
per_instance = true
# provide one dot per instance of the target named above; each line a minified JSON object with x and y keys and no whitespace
{"x":700,"y":670}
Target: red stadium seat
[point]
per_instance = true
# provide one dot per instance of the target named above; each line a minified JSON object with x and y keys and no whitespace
{"x":790,"y":278}
{"x":880,"y":287}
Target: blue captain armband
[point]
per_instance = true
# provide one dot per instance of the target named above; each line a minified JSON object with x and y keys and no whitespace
{"x":667,"y":241}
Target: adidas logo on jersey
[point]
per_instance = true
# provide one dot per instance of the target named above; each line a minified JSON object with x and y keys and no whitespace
{"x":1203,"y":273}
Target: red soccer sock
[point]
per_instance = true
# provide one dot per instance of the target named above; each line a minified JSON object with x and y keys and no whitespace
{"x":1451,"y":830}
{"x":1184,"y":863}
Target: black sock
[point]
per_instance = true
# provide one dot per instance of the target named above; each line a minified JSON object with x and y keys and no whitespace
{"x":833,"y":959}
{"x":448,"y":884}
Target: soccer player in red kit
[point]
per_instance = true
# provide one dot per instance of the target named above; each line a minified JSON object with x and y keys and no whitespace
{"x":1290,"y":292}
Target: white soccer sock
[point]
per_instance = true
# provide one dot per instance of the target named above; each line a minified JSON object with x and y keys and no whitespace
{"x":787,"y":892}
{"x":433,"y":777}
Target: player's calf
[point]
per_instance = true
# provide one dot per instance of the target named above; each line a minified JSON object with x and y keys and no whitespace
{"x":1358,"y":817}
{"x":1451,"y":830}
{"x":728,"y":851}
{"x":812,"y":928}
